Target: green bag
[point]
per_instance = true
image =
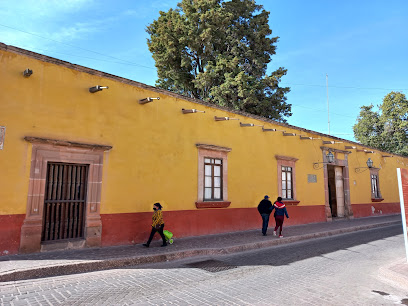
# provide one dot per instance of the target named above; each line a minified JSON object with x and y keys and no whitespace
{"x":169,"y":236}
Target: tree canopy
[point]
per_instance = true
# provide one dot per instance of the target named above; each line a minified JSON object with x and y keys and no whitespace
{"x":218,"y":51}
{"x":387,"y":128}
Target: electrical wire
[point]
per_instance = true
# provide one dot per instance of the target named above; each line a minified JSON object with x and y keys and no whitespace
{"x":322,"y":110}
{"x":136,"y":64}
{"x":345,"y":87}
{"x":91,"y":58}
{"x":73,"y":46}
{"x":126,"y":62}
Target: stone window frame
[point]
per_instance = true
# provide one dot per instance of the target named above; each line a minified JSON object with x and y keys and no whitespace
{"x":287,"y":161}
{"x":218,"y":152}
{"x":51,"y":150}
{"x":376,"y":172}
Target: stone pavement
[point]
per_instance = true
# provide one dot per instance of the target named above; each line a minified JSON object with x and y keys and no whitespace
{"x":396,"y":272}
{"x":29,"y":266}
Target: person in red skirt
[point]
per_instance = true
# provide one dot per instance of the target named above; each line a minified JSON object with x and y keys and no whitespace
{"x":280,"y":212}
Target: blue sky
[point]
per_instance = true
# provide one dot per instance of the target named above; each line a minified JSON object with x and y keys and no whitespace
{"x":361,"y":45}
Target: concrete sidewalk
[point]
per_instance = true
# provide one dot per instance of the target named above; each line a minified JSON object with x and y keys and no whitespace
{"x":28,"y":266}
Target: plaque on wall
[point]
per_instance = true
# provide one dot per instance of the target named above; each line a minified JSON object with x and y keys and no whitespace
{"x":2,"y":135}
{"x":312,"y":178}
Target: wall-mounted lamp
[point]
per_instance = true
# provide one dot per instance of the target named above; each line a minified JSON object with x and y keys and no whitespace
{"x":369,"y":165}
{"x":191,"y":111}
{"x":248,"y":124}
{"x":27,"y":73}
{"x":97,"y":88}
{"x":147,"y":100}
{"x":224,"y":118}
{"x":329,"y":160}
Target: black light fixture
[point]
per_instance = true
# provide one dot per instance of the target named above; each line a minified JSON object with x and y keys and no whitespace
{"x":97,"y":88}
{"x":369,"y":163}
{"x":330,"y":157}
{"x":147,"y":100}
{"x":329,"y":160}
{"x":27,"y":73}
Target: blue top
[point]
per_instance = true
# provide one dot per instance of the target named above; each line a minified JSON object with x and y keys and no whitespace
{"x":280,"y":209}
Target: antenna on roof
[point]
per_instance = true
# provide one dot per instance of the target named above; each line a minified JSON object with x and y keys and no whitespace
{"x":327,"y":92}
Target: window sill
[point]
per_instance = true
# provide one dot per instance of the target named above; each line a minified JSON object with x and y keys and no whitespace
{"x":212,"y":204}
{"x":290,"y":202}
{"x":377,"y":199}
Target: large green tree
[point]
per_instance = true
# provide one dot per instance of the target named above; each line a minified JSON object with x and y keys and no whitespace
{"x":218,"y":51}
{"x":387,"y":128}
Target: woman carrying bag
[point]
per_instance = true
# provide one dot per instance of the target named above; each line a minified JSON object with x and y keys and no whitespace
{"x":157,"y":225}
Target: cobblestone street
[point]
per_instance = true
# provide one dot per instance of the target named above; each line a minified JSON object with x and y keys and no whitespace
{"x":338,"y":270}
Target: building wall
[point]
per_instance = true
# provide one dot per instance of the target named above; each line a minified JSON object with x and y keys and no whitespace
{"x":154,"y":156}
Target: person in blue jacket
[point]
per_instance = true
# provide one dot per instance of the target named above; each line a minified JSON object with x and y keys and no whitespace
{"x":280,"y":212}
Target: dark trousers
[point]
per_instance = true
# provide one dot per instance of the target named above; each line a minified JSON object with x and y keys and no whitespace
{"x":265,"y":222}
{"x":154,"y":230}
{"x":279,"y":223}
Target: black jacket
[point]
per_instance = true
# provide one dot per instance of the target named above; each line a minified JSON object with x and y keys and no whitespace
{"x":265,"y":207}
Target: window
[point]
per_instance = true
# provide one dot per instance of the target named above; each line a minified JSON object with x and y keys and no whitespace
{"x":287,"y":190}
{"x":287,"y":179}
{"x":212,"y":179}
{"x":212,"y":176}
{"x":375,"y":185}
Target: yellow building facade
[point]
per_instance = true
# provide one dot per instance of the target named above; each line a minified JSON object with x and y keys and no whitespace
{"x":81,"y":168}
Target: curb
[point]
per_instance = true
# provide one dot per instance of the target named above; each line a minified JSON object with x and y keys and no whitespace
{"x":90,"y":266}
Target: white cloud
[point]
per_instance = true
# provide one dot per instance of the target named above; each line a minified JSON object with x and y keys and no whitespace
{"x":42,"y":8}
{"x":32,"y":24}
{"x":77,"y":31}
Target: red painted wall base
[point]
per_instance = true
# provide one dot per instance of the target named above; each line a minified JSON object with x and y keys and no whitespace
{"x":10,"y":230}
{"x":119,"y":229}
{"x":375,"y":209}
{"x":131,"y":228}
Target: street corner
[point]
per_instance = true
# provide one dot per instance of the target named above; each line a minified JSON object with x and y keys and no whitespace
{"x":395,"y":273}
